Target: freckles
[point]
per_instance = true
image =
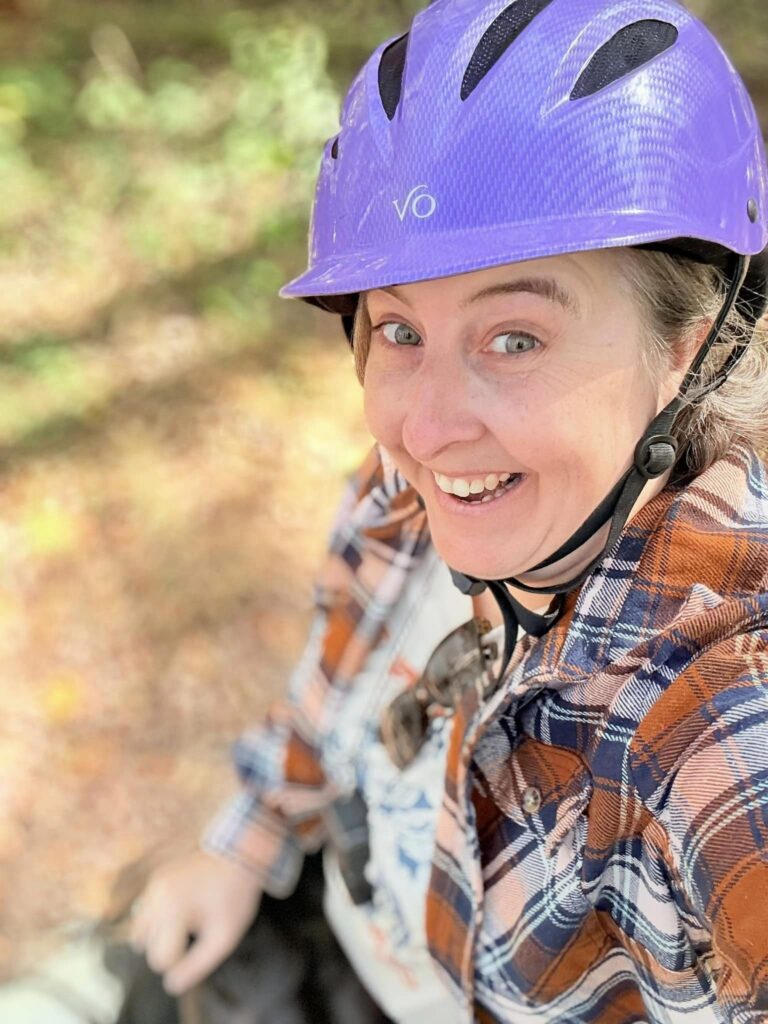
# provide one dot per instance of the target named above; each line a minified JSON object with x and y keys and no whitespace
{"x":382,"y":414}
{"x":376,"y":422}
{"x":371,"y":404}
{"x":569,"y":379}
{"x":546,"y":406}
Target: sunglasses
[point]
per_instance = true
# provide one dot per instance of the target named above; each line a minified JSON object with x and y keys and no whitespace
{"x":460,"y":661}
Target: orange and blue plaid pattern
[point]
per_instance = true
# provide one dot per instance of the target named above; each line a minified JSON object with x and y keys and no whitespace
{"x":379,"y":534}
{"x":602,"y":848}
{"x":636,"y":888}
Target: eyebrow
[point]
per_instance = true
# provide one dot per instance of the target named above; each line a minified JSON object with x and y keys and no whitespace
{"x":545,"y":287}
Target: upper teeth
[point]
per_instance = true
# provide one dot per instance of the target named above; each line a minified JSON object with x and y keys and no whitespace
{"x":462,"y":488}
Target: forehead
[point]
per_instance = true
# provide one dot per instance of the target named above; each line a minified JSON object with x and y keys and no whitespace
{"x":564,"y":281}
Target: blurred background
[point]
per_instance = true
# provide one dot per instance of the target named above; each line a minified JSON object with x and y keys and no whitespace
{"x":173,"y":437}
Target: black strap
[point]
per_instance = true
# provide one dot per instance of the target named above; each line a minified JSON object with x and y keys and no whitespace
{"x":738,"y":278}
{"x":516,"y":615}
{"x":654,"y":455}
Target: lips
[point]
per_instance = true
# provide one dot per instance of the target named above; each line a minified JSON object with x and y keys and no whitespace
{"x":483,"y":504}
{"x":463,"y":486}
{"x":487,"y":496}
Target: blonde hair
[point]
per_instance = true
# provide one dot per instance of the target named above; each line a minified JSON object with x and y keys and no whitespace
{"x":677,"y":299}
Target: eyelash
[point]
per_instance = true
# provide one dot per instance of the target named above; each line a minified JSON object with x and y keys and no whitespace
{"x":518,"y":334}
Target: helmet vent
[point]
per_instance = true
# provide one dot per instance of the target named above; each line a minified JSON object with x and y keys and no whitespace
{"x":631,"y":48}
{"x":335,"y":148}
{"x":496,"y":39}
{"x":391,"y":68}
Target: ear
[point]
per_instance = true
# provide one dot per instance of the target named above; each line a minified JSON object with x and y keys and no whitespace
{"x":682,"y":357}
{"x":689,"y":346}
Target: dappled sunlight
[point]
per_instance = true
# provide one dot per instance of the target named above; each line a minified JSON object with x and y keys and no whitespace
{"x":173,"y":438}
{"x":156,"y":588}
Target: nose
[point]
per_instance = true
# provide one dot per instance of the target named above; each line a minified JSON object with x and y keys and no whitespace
{"x":440,"y":407}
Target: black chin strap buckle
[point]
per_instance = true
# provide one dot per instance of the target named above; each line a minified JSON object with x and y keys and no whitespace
{"x":655,"y":455}
{"x":468,"y":584}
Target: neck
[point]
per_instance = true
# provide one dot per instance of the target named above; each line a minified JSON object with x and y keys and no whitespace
{"x":486,"y":607}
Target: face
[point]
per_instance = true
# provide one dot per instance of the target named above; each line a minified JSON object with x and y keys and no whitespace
{"x":521,"y":390}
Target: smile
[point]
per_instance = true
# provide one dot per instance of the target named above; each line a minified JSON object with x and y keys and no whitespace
{"x":475,"y":488}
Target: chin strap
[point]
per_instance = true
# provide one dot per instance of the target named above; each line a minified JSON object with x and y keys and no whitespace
{"x":516,"y":615}
{"x":654,"y":456}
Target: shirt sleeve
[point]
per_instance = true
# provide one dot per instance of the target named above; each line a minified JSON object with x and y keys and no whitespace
{"x":277,"y":815}
{"x":717,"y":818}
{"x":273,"y":819}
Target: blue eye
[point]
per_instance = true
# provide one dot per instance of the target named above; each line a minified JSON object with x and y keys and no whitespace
{"x":403,"y":334}
{"x":517,"y":343}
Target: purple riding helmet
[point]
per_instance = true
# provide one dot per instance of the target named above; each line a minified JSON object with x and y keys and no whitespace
{"x":495,"y":132}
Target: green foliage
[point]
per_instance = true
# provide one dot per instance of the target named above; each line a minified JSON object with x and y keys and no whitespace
{"x":171,"y":436}
{"x":150,"y":155}
{"x":147,"y":145}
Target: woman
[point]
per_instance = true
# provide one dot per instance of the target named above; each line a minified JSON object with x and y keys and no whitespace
{"x":542,"y":224}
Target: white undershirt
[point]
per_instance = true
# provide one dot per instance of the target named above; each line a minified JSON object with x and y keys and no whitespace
{"x":408,"y":990}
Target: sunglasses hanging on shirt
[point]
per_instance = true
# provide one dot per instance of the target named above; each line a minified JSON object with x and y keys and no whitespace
{"x":463,"y":659}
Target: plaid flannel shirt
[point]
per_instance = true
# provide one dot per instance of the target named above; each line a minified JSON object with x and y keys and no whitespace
{"x":602,"y":848}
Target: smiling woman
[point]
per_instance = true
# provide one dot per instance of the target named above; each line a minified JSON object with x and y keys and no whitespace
{"x":534,"y":369}
{"x":530,"y":729}
{"x":636,"y":311}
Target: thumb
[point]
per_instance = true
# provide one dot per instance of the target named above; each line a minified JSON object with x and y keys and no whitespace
{"x":201,"y":959}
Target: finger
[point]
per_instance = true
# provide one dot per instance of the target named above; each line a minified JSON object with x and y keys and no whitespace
{"x":204,"y":956}
{"x":146,"y":922}
{"x":166,"y":944}
{"x":138,"y":929}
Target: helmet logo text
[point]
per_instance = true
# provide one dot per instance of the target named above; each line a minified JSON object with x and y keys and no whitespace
{"x":421,"y":206}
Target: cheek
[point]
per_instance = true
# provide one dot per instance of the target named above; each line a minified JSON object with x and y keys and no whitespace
{"x":381,"y":411}
{"x":583,"y":411}
{"x":591,"y":429}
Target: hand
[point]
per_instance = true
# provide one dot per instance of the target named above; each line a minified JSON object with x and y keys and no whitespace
{"x":201,"y":896}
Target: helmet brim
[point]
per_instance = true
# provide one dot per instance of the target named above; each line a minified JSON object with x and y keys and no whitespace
{"x":334,"y":283}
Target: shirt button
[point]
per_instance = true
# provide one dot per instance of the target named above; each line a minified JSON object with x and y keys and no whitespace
{"x":531,"y":799}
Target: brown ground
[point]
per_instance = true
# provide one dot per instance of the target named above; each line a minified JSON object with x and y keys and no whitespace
{"x":155,"y":586}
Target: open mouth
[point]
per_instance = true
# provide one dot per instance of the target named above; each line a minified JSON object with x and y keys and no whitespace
{"x":478,"y":491}
{"x":485,"y":497}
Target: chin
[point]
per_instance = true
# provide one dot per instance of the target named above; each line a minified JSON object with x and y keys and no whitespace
{"x":474,"y":564}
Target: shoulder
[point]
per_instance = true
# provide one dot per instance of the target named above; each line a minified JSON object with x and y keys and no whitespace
{"x":703,"y":762}
{"x":716,"y":704}
{"x":379,"y":534}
